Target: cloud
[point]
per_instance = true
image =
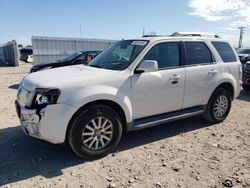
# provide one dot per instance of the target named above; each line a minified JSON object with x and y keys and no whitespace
{"x":238,"y":11}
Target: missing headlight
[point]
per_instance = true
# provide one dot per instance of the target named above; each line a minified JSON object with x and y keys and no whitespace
{"x":44,"y":97}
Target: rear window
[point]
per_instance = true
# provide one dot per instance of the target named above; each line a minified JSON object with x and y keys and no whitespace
{"x":198,"y":53}
{"x":225,"y":51}
{"x":26,"y":51}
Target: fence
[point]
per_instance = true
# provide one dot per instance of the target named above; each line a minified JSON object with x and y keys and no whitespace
{"x":51,"y":49}
{"x":8,"y":54}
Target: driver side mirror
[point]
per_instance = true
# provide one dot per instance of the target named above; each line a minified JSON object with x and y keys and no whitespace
{"x":147,"y":66}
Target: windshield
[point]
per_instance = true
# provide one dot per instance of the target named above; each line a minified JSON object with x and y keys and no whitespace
{"x":243,"y":51}
{"x":72,"y":56}
{"x":119,"y":55}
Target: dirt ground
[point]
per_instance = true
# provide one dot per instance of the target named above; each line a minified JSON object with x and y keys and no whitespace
{"x":186,"y":153}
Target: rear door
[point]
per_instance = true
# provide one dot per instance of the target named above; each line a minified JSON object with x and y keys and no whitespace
{"x":201,"y":70}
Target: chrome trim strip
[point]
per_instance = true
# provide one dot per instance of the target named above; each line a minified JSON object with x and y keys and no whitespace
{"x":157,"y":122}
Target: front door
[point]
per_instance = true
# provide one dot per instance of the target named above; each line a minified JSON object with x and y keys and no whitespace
{"x":162,"y":91}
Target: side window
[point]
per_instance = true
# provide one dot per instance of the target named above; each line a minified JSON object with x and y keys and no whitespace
{"x":198,"y":53}
{"x":225,"y":51}
{"x":166,"y":54}
{"x":82,"y":57}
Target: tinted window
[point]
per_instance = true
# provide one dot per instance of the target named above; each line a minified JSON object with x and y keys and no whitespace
{"x":225,"y":51}
{"x":26,"y":51}
{"x":198,"y":53}
{"x":72,"y":56}
{"x":166,"y":54}
{"x":82,"y":57}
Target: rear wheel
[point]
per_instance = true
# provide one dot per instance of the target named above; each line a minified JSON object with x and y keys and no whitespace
{"x":95,"y":131}
{"x":219,"y":106}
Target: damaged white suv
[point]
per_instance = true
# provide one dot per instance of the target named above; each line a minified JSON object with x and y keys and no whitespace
{"x":133,"y":84}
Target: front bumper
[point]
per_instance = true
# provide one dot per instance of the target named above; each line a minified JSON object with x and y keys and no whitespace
{"x":50,"y":123}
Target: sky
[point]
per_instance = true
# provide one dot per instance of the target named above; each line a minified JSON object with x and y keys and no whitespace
{"x":118,"y":19}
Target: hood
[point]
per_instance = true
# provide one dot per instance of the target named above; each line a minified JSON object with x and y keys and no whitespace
{"x":61,"y":77}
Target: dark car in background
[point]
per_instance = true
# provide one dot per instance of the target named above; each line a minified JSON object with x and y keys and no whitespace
{"x":246,"y":76}
{"x":24,"y":53}
{"x":81,"y":57}
{"x":244,"y":55}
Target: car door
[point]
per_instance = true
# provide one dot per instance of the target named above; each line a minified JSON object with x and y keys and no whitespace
{"x":201,"y":73}
{"x":159,"y":92}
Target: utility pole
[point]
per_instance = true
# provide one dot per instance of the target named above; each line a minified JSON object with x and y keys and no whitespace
{"x":241,"y":36}
{"x":143,"y":31}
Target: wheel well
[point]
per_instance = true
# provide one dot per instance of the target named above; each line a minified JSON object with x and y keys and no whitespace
{"x":228,"y":87}
{"x":108,"y":103}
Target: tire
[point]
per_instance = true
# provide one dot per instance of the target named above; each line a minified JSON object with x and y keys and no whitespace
{"x":80,"y":132}
{"x":246,"y":87}
{"x":212,"y":112}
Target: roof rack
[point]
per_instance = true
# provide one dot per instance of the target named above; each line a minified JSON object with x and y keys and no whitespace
{"x":194,"y":34}
{"x":152,"y":35}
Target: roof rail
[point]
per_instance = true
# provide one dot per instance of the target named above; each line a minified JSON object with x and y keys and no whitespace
{"x":152,"y":35}
{"x":194,"y":34}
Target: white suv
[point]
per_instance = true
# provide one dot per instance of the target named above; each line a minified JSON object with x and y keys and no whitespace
{"x":131,"y":85}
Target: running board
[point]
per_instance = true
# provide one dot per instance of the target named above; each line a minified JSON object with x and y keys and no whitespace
{"x":166,"y":117}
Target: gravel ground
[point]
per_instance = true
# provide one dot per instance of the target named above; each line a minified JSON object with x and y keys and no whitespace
{"x":186,"y":153}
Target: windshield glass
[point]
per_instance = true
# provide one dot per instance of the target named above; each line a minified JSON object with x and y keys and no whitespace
{"x":72,"y":56}
{"x":243,"y":51}
{"x":119,"y":55}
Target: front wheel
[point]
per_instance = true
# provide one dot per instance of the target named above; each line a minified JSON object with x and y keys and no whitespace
{"x":95,"y":131}
{"x":219,"y":106}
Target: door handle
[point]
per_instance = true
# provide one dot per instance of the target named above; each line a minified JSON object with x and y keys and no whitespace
{"x":213,"y":71}
{"x":175,"y":78}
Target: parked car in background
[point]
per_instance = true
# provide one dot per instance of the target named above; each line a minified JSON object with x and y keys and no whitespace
{"x":246,"y":76}
{"x":244,"y":54}
{"x":81,"y":57}
{"x":30,"y":59}
{"x":24,"y":53}
{"x":133,"y":84}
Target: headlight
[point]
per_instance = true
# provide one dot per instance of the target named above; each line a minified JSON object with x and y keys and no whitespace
{"x":44,"y":97}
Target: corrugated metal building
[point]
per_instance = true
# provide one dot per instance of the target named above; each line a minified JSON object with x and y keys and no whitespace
{"x":1,"y":55}
{"x":8,"y":53}
{"x":50,"y":49}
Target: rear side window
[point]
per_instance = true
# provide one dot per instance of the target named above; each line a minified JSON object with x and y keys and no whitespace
{"x":198,"y":53}
{"x":225,"y":51}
